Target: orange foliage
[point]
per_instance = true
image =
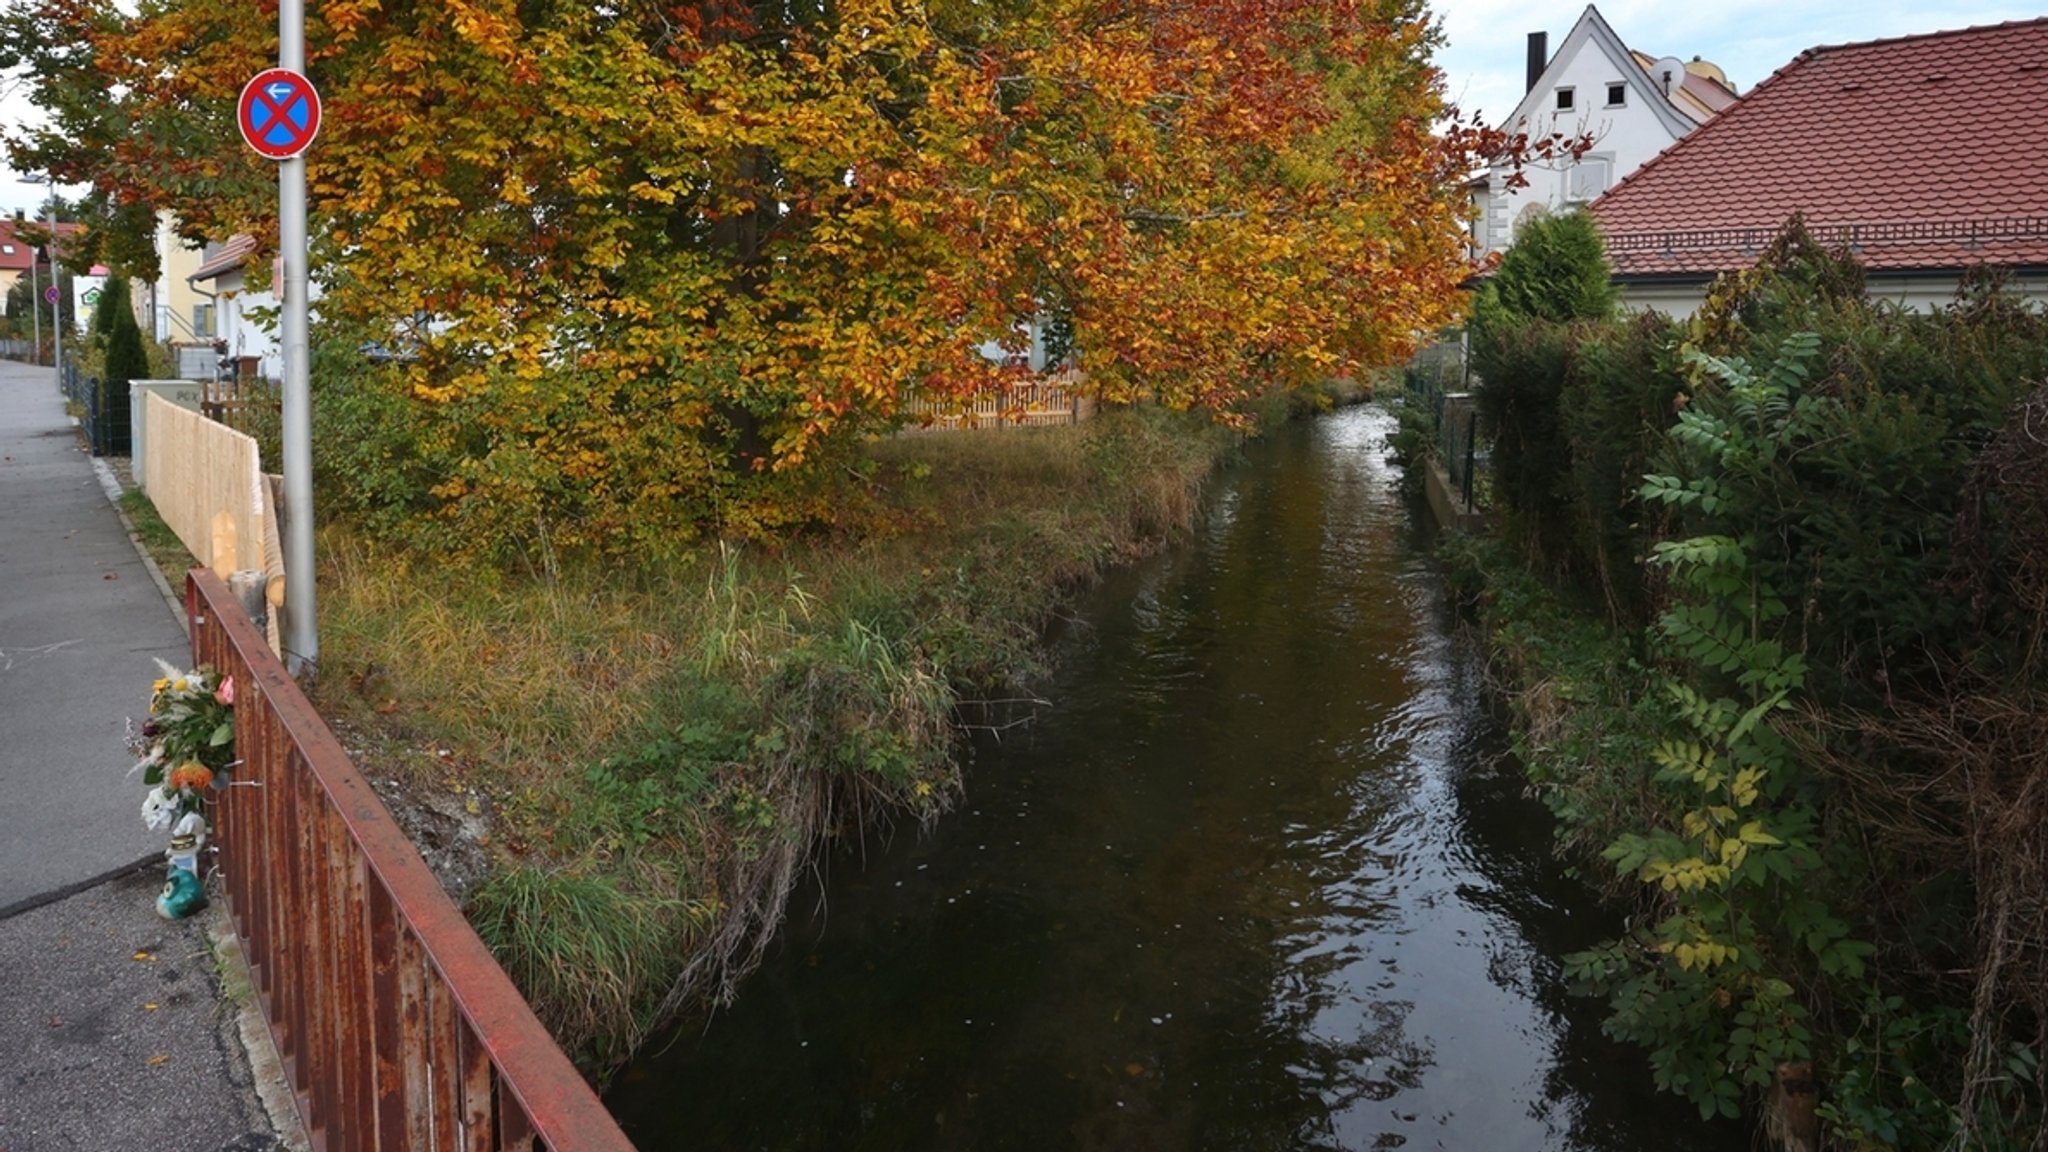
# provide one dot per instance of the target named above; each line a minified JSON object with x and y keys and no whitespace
{"x":675,"y":247}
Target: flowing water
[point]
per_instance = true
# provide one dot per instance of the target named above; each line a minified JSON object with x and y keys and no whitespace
{"x":1260,"y":878}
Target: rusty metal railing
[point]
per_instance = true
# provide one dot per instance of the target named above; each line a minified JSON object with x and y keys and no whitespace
{"x":398,"y":1029}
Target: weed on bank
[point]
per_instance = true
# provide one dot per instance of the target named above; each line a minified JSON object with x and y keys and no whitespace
{"x":669,"y":744}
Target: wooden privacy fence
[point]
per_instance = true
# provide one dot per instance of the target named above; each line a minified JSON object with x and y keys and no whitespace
{"x":239,"y":402}
{"x":206,"y":481}
{"x":398,"y":1029}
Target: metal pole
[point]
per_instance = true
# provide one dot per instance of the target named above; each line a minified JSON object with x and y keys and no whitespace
{"x":302,"y":632}
{"x":35,"y":307}
{"x":1471,"y":443}
{"x":57,"y":282}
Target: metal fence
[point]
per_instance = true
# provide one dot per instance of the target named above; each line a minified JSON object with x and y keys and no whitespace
{"x":22,"y":350}
{"x":1436,"y":381}
{"x":1458,"y":441}
{"x":397,"y":1027}
{"x":109,"y":427}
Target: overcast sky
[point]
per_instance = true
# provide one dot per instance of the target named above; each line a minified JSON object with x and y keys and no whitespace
{"x":1750,"y":39}
{"x":1483,"y":61}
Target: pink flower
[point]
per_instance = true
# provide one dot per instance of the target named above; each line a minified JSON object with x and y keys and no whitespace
{"x":225,"y":694}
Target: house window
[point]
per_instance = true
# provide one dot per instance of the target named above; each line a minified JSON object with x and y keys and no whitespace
{"x":202,"y":320}
{"x":1564,"y":99}
{"x":1617,"y":95}
{"x":1590,"y":177}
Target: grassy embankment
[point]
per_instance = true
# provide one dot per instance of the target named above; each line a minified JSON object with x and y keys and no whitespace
{"x":667,"y":749}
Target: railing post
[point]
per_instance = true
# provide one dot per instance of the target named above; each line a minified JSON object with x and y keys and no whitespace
{"x":398,"y":1028}
{"x":1471,"y":437}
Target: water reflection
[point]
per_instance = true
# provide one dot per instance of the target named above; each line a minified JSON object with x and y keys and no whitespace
{"x":1254,"y":883}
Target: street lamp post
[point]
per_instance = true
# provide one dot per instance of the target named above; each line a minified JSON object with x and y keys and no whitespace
{"x":56,"y":281}
{"x":35,"y":308}
{"x":56,"y":294}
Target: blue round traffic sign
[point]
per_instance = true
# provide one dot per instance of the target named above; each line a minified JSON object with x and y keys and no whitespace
{"x":279,"y":113}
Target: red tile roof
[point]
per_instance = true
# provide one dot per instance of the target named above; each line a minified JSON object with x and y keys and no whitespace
{"x":1922,"y":152}
{"x":232,"y":255}
{"x":23,"y":255}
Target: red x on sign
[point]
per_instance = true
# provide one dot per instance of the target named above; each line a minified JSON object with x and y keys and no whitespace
{"x":279,"y":113}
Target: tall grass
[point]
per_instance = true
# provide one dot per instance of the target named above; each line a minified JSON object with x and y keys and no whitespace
{"x":589,"y":946}
{"x":671,"y":743}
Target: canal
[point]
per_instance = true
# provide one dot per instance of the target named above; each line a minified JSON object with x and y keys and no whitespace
{"x":1259,"y":878}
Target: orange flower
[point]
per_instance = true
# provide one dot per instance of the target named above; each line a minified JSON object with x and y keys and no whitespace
{"x":191,"y":774}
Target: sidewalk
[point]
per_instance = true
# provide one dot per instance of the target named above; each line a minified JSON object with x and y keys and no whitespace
{"x":118,"y":1033}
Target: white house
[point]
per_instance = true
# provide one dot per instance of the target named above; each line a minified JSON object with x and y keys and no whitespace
{"x":1632,"y":105}
{"x":246,"y":320}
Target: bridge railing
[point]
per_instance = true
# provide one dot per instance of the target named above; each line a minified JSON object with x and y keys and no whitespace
{"x":398,"y":1029}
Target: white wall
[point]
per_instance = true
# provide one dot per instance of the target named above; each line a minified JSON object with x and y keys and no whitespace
{"x":1626,"y":135}
{"x":82,"y":308}
{"x":1924,"y":293}
{"x":245,"y":332}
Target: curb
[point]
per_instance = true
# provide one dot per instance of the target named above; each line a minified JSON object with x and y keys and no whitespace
{"x":111,"y":485}
{"x":273,"y":1090}
{"x":31,"y":903}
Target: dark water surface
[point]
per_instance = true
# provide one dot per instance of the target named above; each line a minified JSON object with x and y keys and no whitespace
{"x":1256,"y":881}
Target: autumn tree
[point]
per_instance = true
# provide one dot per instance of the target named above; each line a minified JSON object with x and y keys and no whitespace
{"x":677,"y":257}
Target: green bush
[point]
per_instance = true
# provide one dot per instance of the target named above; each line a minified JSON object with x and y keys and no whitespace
{"x":1807,"y":775}
{"x":1556,"y":271}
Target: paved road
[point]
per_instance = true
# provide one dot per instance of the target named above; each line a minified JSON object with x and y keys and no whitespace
{"x":117,"y":1033}
{"x":116,"y":1030}
{"x":80,"y":620}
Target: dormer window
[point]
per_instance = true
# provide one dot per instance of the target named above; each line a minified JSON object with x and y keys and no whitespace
{"x":1617,"y":95}
{"x":1564,"y":99}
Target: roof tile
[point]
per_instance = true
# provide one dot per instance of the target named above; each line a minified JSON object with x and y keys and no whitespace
{"x":1870,"y":142}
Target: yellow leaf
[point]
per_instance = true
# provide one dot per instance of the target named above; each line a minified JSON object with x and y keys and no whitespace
{"x":1753,"y":833}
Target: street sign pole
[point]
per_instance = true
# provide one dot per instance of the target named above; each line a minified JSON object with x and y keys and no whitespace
{"x":302,"y":633}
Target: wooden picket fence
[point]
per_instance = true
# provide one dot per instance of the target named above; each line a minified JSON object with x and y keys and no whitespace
{"x":1036,"y":402}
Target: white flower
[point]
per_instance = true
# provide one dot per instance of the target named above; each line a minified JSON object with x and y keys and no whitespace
{"x":158,"y":810}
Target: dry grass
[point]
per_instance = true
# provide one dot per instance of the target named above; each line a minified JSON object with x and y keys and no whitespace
{"x":669,"y":745}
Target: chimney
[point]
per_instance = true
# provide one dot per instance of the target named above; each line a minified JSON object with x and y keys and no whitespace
{"x":1539,"y":55}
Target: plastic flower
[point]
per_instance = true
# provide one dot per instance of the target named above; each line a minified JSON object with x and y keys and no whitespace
{"x":225,"y":694}
{"x":191,"y":774}
{"x":158,"y":810}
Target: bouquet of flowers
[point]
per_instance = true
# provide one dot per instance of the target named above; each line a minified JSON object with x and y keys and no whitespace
{"x":186,"y":744}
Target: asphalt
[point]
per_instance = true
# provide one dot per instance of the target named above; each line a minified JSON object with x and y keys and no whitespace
{"x":118,"y":1029}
